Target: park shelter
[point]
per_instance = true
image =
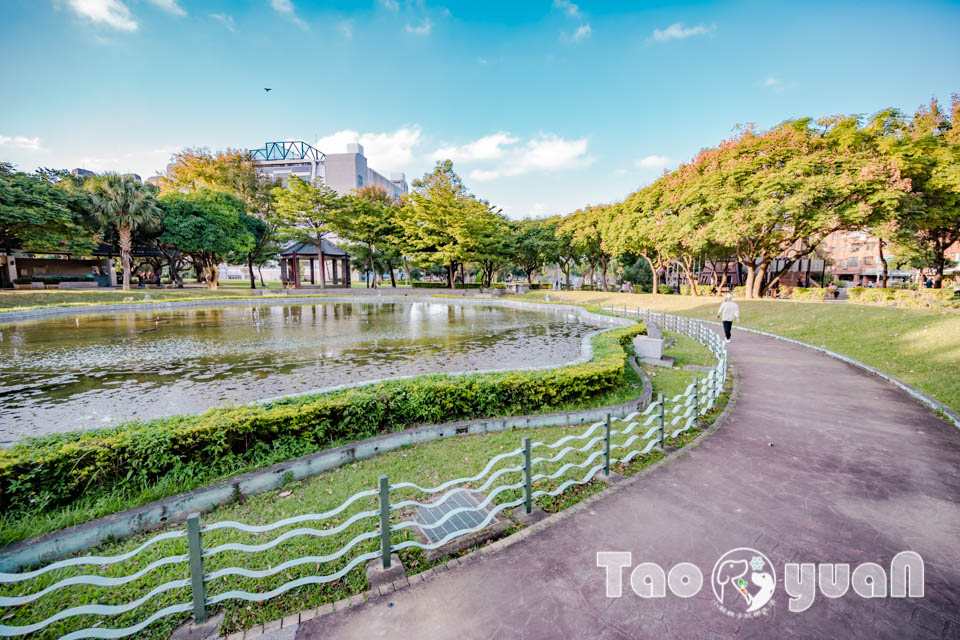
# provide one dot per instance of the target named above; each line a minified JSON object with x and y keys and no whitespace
{"x":332,"y":266}
{"x":101,"y":261}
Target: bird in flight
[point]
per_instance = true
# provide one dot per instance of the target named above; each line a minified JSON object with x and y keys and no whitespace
{"x":267,"y":89}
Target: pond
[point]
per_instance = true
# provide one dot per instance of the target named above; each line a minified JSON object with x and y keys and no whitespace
{"x":92,"y":371}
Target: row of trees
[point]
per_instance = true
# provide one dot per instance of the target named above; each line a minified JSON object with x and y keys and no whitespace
{"x":755,"y":198}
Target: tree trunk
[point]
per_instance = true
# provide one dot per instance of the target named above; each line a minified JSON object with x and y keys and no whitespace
{"x":393,"y":278}
{"x":260,"y":273}
{"x":253,"y":279}
{"x":758,"y":277}
{"x":323,"y":268}
{"x":688,"y":271}
{"x":748,"y":281}
{"x":603,"y":275}
{"x":126,"y":243}
{"x":451,"y":270}
{"x":213,"y":277}
{"x":654,"y":280}
{"x":883,"y":264}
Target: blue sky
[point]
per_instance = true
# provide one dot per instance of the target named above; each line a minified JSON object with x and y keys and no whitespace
{"x":544,"y":106}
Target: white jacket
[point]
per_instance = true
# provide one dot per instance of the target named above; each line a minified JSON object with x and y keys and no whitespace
{"x":729,"y":311}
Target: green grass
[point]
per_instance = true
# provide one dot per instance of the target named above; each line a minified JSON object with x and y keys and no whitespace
{"x":96,"y":504}
{"x":428,"y":464}
{"x":921,"y":347}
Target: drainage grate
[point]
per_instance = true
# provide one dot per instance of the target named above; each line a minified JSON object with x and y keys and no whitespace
{"x":460,"y":522}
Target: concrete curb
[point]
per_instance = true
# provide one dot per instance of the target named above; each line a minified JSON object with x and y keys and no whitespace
{"x":294,"y":621}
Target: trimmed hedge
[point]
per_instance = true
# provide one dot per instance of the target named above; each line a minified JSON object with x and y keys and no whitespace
{"x":909,"y":298}
{"x":808,"y":294}
{"x":54,"y":470}
{"x":702,"y":289}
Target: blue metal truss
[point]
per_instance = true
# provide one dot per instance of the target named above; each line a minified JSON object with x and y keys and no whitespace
{"x":287,"y":150}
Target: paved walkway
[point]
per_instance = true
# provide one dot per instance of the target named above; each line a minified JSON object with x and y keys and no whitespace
{"x":857,"y":472}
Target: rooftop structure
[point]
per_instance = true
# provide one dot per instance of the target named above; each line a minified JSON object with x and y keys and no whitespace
{"x":342,"y":172}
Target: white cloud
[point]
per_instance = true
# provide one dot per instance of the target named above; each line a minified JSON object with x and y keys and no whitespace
{"x":346,"y":29}
{"x":422,"y":29}
{"x":286,"y":8}
{"x":583,"y":32}
{"x":485,"y":148}
{"x":652,"y":162}
{"x":677,"y":31}
{"x":481,"y":61}
{"x":390,"y":5}
{"x":619,"y":173}
{"x":572,"y":10}
{"x":547,"y":152}
{"x":771,"y":81}
{"x":225,"y":19}
{"x":170,"y":6}
{"x":113,"y":13}
{"x":21,"y":142}
{"x":385,"y":152}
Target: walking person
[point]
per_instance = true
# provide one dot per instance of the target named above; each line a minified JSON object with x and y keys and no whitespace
{"x":728,"y":312}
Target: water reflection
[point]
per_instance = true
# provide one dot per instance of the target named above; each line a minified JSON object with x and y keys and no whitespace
{"x":97,"y":370}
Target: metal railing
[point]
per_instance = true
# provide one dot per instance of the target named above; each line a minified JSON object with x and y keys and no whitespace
{"x":501,"y":487}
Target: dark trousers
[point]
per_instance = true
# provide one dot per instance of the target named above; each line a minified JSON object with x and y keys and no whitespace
{"x":727,"y":325}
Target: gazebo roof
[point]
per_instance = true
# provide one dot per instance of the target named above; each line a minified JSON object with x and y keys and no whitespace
{"x":309,"y":250}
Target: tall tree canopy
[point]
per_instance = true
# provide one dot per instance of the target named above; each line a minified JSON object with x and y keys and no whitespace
{"x":42,"y":211}
{"x":209,"y":226}
{"x":125,"y":204}
{"x":309,"y":210}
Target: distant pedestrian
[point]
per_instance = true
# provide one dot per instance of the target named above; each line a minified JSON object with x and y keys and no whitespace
{"x":728,"y":312}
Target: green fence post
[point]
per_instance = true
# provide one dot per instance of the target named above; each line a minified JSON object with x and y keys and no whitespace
{"x":527,"y":476}
{"x":197,"y":585}
{"x":385,"y":521}
{"x":696,"y":398}
{"x":606,"y":447}
{"x":661,"y":418}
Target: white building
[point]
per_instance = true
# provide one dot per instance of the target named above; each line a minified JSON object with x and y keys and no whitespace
{"x":342,"y":172}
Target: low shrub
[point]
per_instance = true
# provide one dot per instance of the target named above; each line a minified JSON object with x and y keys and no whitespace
{"x":54,"y":470}
{"x":808,"y":294}
{"x":665,"y":288}
{"x":702,"y":289}
{"x":22,"y":280}
{"x":59,"y":279}
{"x":740,"y":292}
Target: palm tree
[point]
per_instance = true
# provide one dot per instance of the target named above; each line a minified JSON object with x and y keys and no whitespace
{"x":125,"y":203}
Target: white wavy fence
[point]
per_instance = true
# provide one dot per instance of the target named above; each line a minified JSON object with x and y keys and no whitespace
{"x":508,"y":480}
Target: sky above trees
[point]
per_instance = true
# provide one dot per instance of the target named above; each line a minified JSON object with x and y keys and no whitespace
{"x":544,"y":107}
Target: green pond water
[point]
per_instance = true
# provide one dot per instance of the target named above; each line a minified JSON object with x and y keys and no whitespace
{"x":92,"y":371}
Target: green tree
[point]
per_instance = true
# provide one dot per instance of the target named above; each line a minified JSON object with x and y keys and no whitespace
{"x":234,"y":172}
{"x":42,"y":211}
{"x":535,"y":243}
{"x":209,"y":226}
{"x":370,"y":220}
{"x":312,"y":210}
{"x":442,"y":223}
{"x":926,"y":148}
{"x":589,"y":228}
{"x":125,"y":204}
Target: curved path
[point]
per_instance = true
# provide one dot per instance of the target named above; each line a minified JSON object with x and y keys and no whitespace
{"x":857,"y":471}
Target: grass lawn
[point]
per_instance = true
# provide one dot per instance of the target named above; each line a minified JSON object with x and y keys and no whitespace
{"x":919,"y":346}
{"x":428,"y":464}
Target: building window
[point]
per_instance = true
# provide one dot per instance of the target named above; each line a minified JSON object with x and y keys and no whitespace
{"x":359,"y":181}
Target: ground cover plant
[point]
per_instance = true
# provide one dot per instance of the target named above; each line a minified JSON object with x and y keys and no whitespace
{"x":428,"y":465}
{"x":62,"y":479}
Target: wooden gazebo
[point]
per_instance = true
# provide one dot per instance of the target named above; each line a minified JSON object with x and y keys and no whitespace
{"x":334,"y":265}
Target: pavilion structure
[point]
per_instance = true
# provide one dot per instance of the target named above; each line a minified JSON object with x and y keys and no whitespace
{"x":332,"y":266}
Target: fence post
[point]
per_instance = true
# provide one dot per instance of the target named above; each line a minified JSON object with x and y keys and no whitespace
{"x":385,"y":521}
{"x":197,"y":585}
{"x":661,"y":418}
{"x":606,"y":447}
{"x":527,"y":476}
{"x":696,"y":398}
